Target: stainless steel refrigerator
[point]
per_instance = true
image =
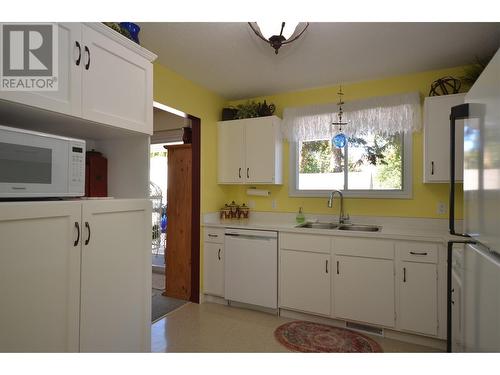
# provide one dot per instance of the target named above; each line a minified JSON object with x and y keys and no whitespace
{"x":474,"y":270}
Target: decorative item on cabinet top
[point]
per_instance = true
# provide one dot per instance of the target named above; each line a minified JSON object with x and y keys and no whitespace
{"x":444,"y":85}
{"x":128,"y":29}
{"x":250,"y":109}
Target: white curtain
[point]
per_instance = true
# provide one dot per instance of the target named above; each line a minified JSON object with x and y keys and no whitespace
{"x":385,"y":115}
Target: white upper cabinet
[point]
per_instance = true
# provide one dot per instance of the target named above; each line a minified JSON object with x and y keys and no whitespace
{"x":250,"y":151}
{"x":437,"y":138}
{"x":67,"y":99}
{"x":103,"y":77}
{"x":117,"y":85}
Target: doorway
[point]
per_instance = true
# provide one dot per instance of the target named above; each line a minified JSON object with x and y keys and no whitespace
{"x":170,"y":129}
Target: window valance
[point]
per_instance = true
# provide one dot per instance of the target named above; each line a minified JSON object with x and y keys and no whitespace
{"x":385,"y":115}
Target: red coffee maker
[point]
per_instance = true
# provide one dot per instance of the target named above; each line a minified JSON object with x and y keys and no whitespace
{"x":96,"y":174}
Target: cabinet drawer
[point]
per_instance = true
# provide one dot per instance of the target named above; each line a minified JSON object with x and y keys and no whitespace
{"x":369,"y":248}
{"x":215,"y":235}
{"x":304,"y":242}
{"x":417,"y":251}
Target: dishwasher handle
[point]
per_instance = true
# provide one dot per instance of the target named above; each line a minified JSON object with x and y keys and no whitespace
{"x":249,"y":237}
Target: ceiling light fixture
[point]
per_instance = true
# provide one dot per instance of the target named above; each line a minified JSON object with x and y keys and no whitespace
{"x":267,"y":32}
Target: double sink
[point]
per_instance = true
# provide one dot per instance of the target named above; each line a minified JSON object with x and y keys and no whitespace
{"x":349,"y":227}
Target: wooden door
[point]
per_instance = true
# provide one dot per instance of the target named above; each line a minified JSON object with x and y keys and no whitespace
{"x":179,"y":216}
{"x":213,"y":269}
{"x":418,"y":297}
{"x":67,"y":99}
{"x":116,"y":276}
{"x":260,"y":150}
{"x":231,"y":152}
{"x":117,"y":84}
{"x":363,"y":290}
{"x":305,"y":281}
{"x":39,"y":276}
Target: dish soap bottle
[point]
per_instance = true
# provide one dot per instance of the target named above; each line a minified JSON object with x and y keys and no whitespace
{"x":300,"y":218}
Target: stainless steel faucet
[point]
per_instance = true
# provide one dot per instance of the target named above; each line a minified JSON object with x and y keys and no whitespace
{"x":342,"y":219}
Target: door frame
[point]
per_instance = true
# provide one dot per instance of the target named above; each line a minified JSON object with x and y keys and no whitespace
{"x":195,"y":197}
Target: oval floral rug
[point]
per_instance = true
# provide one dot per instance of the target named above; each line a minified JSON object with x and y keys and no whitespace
{"x":309,"y":337}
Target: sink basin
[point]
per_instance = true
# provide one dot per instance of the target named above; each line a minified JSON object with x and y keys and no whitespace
{"x":360,"y":228}
{"x":318,"y":225}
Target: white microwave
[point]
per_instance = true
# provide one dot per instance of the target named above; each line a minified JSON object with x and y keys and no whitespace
{"x":38,"y":165}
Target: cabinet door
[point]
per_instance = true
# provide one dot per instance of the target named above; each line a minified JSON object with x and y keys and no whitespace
{"x":260,"y":150}
{"x":456,"y":314}
{"x":117,"y":84}
{"x":305,"y":282}
{"x":437,"y":138}
{"x":418,"y":298}
{"x":39,"y":276}
{"x":363,"y":290}
{"x":116,"y":276}
{"x":231,"y":152}
{"x":67,"y":99}
{"x":213,"y":269}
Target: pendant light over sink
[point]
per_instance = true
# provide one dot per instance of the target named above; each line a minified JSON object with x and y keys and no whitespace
{"x":268,"y":32}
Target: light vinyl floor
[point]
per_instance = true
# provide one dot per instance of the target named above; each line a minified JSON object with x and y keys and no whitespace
{"x":210,"y":327}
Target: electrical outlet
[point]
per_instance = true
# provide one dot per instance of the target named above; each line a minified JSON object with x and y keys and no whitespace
{"x":251,"y":204}
{"x":441,"y":208}
{"x":274,"y":204}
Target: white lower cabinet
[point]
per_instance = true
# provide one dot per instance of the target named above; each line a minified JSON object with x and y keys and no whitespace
{"x":39,"y":277}
{"x":75,"y":276}
{"x":116,"y":276}
{"x":305,"y":280}
{"x":418,"y":298}
{"x":363,"y":290}
{"x":213,"y":263}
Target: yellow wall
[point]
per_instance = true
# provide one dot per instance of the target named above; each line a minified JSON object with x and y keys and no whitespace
{"x":175,"y":91}
{"x":425,"y":196}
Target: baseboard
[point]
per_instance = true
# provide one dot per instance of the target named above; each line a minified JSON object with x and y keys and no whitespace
{"x":206,"y":298}
{"x":388,"y":333}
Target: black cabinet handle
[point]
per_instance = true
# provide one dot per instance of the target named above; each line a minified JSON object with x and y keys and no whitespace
{"x":77,"y":226}
{"x":326,"y":266}
{"x":87,"y":65}
{"x":79,"y":59}
{"x":213,"y":235}
{"x":88,"y":228}
{"x":417,"y":253}
{"x":404,"y":274}
{"x":338,"y":268}
{"x":248,"y":172}
{"x":218,"y":254}
{"x":239,"y":172}
{"x":432,"y":167}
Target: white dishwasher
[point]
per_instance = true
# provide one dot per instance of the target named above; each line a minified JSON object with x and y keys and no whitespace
{"x":251,"y":267}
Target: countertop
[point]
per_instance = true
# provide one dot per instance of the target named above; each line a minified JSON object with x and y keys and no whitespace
{"x":416,"y":229}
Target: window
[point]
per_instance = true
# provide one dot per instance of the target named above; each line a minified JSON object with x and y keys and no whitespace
{"x":370,"y":165}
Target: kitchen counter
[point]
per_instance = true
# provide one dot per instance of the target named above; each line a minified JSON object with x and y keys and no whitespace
{"x":397,"y":228}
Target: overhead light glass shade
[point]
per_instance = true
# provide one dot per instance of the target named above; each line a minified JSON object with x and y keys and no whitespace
{"x":269,"y":29}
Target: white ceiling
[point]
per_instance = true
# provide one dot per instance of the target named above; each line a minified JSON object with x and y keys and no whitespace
{"x":230,"y":60}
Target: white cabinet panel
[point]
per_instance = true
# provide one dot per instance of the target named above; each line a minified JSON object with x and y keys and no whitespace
{"x":39,"y":277}
{"x":67,"y":99}
{"x":117,"y":85}
{"x":260,"y":150}
{"x":363,"y":290}
{"x":437,"y":138}
{"x":231,"y":152}
{"x":116,"y":276}
{"x":457,"y":314}
{"x":213,"y":269}
{"x":418,"y":298}
{"x":305,"y":281}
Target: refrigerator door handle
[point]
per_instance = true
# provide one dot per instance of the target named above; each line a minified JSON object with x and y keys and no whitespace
{"x":458,"y":112}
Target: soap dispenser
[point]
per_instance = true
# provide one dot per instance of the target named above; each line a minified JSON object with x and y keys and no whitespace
{"x":300,"y":218}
